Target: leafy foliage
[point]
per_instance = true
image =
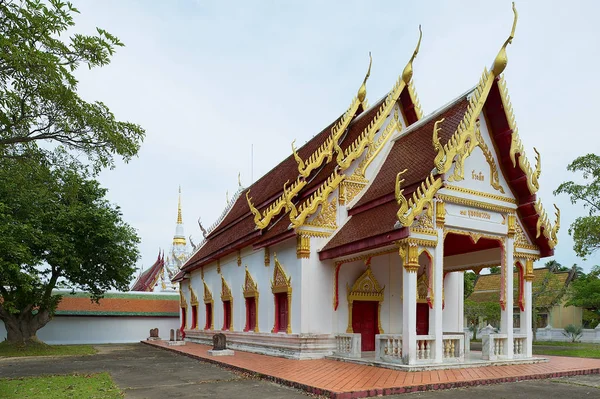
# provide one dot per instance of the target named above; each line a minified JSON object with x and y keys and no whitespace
{"x":475,"y":312}
{"x":56,"y":228}
{"x":469,"y":283}
{"x":585,"y":229}
{"x":585,"y":291}
{"x":38,"y":91}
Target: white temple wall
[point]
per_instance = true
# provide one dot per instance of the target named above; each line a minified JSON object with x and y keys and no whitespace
{"x":453,"y":310}
{"x":317,"y":291}
{"x":184,"y":286}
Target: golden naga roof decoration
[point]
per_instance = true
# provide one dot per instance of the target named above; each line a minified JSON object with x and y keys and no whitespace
{"x":325,"y":151}
{"x":262,"y":220}
{"x":355,"y":150}
{"x":319,"y":197}
{"x":516,"y":146}
{"x":550,"y":232}
{"x":421,"y":197}
{"x":464,"y":139}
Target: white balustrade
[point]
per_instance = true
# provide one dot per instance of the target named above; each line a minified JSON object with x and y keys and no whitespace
{"x":388,"y":348}
{"x":520,"y":348}
{"x":425,"y":347}
{"x":494,"y":346}
{"x":347,"y":345}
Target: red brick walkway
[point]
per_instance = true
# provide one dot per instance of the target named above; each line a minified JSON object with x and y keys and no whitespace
{"x":342,"y":380}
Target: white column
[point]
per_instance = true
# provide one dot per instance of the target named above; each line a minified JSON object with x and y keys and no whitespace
{"x":409,"y":311}
{"x":506,"y":319}
{"x":526,"y":319}
{"x":438,"y":280}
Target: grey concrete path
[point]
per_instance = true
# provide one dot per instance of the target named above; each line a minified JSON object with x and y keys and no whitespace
{"x":142,"y":371}
{"x":145,"y":372}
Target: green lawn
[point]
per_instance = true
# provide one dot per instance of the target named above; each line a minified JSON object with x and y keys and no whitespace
{"x":575,"y":349}
{"x":41,"y":349}
{"x":77,"y":386}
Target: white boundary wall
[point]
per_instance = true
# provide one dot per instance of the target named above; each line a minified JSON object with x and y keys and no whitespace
{"x":64,"y":330}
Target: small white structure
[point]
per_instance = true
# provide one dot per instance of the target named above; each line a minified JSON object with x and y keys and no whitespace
{"x":356,"y":244}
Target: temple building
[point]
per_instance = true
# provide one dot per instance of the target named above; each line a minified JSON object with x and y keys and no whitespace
{"x":158,"y":277}
{"x":356,"y":244}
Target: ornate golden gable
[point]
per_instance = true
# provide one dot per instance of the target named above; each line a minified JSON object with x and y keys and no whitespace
{"x":281,"y":282}
{"x":225,"y":290}
{"x":250,"y":287}
{"x":208,"y":298}
{"x":365,"y":288}
{"x":194,"y":298}
{"x":327,"y":216}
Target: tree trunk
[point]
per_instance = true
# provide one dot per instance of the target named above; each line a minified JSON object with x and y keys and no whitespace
{"x":22,"y":329}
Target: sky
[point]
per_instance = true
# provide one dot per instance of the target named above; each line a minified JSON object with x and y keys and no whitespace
{"x":224,"y":87}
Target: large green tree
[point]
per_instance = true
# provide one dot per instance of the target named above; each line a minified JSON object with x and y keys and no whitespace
{"x":585,"y":229}
{"x":56,"y":227}
{"x":585,"y":291}
{"x":38,"y":89}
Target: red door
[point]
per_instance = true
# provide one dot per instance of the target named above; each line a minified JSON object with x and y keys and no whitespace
{"x":226,"y":314}
{"x":364,"y":322}
{"x":250,"y":314}
{"x":422,"y":319}
{"x":282,"y":311}
{"x":208,"y":316}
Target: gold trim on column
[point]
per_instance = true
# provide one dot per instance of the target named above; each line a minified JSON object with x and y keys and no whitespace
{"x":365,"y":288}
{"x":219,"y":266}
{"x":250,"y":290}
{"x":302,"y":246}
{"x":267,"y":257}
{"x":528,"y":276}
{"x":440,"y":214}
{"x":226,"y":296}
{"x":512,"y":221}
{"x":282,"y":283}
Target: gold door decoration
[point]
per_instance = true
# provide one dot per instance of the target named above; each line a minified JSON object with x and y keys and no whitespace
{"x":422,"y":288}
{"x":250,"y":290}
{"x":365,"y":288}
{"x":182,"y":301}
{"x":226,"y":296}
{"x":282,"y":283}
{"x":208,"y":300}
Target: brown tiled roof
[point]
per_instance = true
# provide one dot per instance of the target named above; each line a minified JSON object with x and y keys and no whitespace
{"x":487,"y":286}
{"x":148,"y":278}
{"x":238,"y":225}
{"x":413,"y":152}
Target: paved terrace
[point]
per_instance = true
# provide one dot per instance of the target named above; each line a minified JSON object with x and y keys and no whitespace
{"x":342,"y":380}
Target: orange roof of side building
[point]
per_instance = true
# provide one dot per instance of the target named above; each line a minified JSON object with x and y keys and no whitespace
{"x":119,"y":304}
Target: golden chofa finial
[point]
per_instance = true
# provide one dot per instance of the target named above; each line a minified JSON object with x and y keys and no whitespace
{"x":362,"y":92}
{"x":501,"y":59}
{"x":408,"y":69}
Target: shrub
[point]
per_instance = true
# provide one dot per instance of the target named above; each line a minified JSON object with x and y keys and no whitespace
{"x":572,"y":332}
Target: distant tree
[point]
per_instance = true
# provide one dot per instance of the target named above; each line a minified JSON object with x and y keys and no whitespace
{"x":38,"y":91}
{"x":577,"y":270}
{"x":489,"y":312}
{"x":469,"y":283}
{"x":585,"y":291}
{"x":546,"y":293}
{"x":554,"y":266}
{"x":585,"y":229}
{"x":56,"y":230}
{"x":494,"y":269}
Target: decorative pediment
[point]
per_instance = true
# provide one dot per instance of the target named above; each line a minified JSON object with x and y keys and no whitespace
{"x":182,"y":301}
{"x":327,"y":216}
{"x":365,"y":288}
{"x":208,"y":298}
{"x":422,"y":288}
{"x":250,"y":287}
{"x":281,"y":282}
{"x":225,"y":290}
{"x":194,"y":298}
